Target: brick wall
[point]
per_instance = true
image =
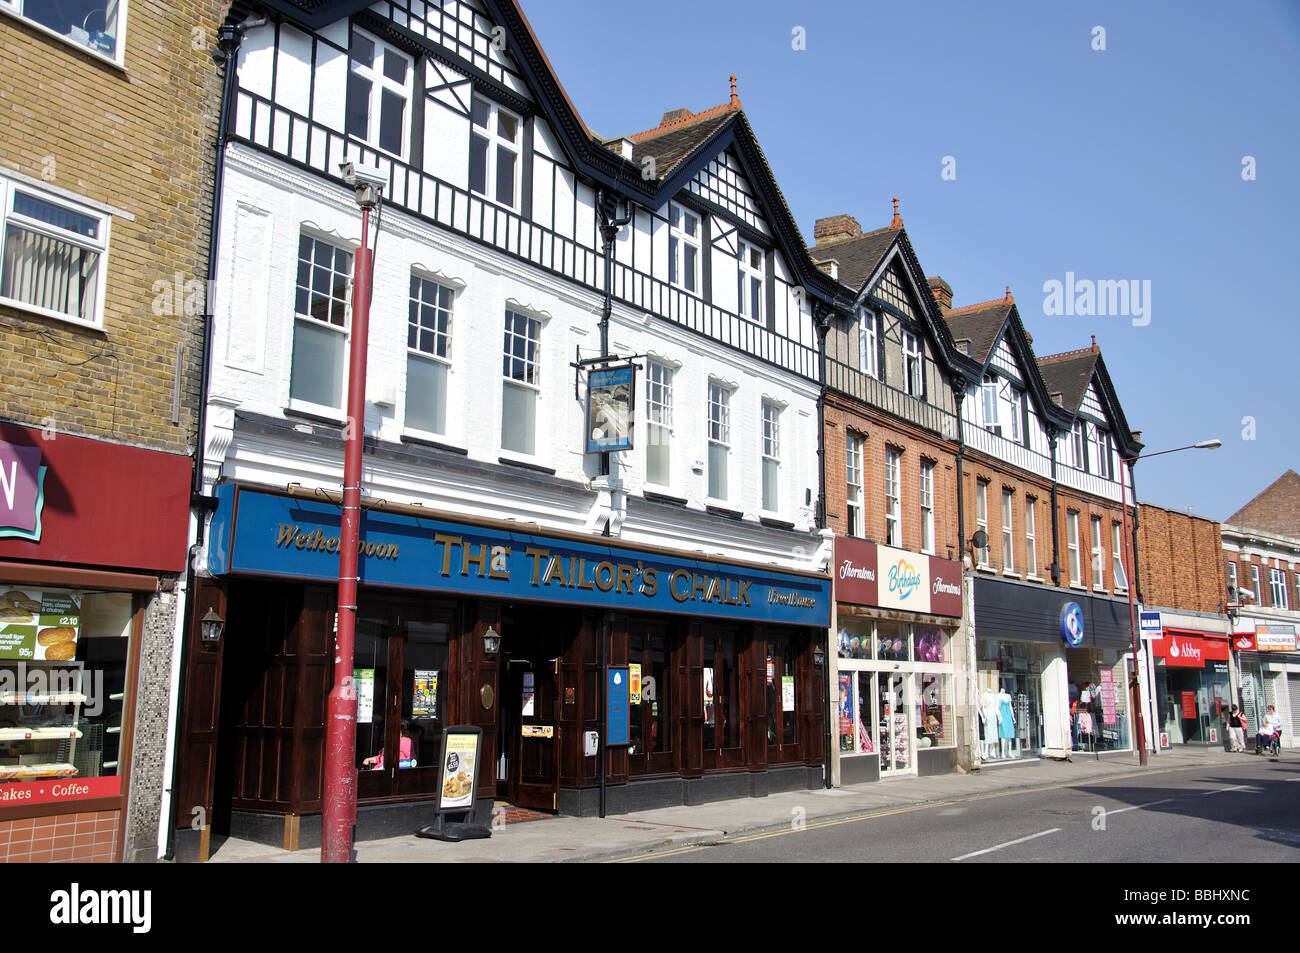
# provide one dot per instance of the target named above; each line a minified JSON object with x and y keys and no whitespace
{"x":879,"y":432}
{"x":1180,"y":559}
{"x":140,"y":140}
{"x":88,"y":837}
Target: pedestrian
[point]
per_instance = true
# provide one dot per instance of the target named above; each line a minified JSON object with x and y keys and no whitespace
{"x":1272,"y":726}
{"x":1237,"y":729}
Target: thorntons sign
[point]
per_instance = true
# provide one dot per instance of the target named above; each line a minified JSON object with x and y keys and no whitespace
{"x":871,"y":575}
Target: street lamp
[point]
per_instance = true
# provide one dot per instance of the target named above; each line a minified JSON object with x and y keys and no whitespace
{"x":1135,"y":700}
{"x":339,"y":810}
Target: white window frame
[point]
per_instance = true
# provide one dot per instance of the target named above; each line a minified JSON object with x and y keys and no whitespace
{"x":491,"y":134}
{"x":441,"y":341}
{"x":1117,"y":557}
{"x":718,"y":431}
{"x":927,"y":507}
{"x":989,"y":404}
{"x":531,"y":368}
{"x":1277,"y":583}
{"x":1098,"y":555}
{"x":659,"y":413}
{"x":380,"y":82}
{"x":1014,"y":400}
{"x":855,"y":494}
{"x":1031,"y":538}
{"x":913,"y":365}
{"x":982,"y":521}
{"x":749,"y":298}
{"x":15,"y":8}
{"x":869,"y":342}
{"x":1079,"y":446}
{"x":771,"y":440}
{"x":1232,"y":579}
{"x":1255,"y":586}
{"x":9,"y":190}
{"x":1076,"y":566}
{"x":299,"y":403}
{"x":1008,"y":531}
{"x":678,"y":240}
{"x":893,"y":497}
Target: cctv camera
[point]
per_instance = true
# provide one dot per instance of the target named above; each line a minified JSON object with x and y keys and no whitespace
{"x":359,"y":175}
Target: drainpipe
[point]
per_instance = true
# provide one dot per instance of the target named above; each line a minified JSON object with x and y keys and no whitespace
{"x":1054,"y":435}
{"x":229,"y":37}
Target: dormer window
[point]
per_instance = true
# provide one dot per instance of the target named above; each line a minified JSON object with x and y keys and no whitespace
{"x":379,"y":92}
{"x":1013,"y":425}
{"x":989,"y":403}
{"x":913,"y":368}
{"x":494,"y":152}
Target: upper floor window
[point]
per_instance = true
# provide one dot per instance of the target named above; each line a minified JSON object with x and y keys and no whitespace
{"x":52,"y":255}
{"x":927,"y":507}
{"x":1232,"y":582}
{"x":913,"y":365}
{"x":1008,"y":539}
{"x":1076,"y":567}
{"x":1031,"y":541}
{"x":683,"y":248}
{"x":320,"y":325}
{"x":853,"y":480}
{"x":1254,"y":585}
{"x":520,"y":369}
{"x":1013,"y":425}
{"x":94,"y":24}
{"x":379,"y":94}
{"x":659,"y":417}
{"x":989,"y":403}
{"x":1277,"y":582}
{"x":428,"y":355}
{"x":1098,"y":555}
{"x":982,"y":518}
{"x":893,"y":506}
{"x":494,"y":152}
{"x":771,"y":456}
{"x":869,"y":344}
{"x":750,"y":282}
{"x":1079,"y":445}
{"x":719,"y":439}
{"x":1106,"y":450}
{"x":1117,"y":557}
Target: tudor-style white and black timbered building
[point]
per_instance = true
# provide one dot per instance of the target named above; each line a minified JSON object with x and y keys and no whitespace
{"x":693,"y":559}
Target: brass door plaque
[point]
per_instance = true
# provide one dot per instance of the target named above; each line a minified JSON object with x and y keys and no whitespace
{"x":487,"y":696}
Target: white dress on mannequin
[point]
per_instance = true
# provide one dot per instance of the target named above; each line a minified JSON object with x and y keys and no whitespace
{"x":989,"y":716}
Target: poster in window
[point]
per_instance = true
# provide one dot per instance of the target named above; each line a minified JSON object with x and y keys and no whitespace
{"x":787,"y":693}
{"x":634,"y":687}
{"x":609,"y":408}
{"x":1108,"y":707}
{"x":363,"y":680}
{"x":424,"y":695}
{"x":708,"y":696}
{"x":526,"y":708}
{"x":39,"y":626}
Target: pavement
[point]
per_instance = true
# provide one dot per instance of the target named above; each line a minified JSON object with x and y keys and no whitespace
{"x":626,"y":836}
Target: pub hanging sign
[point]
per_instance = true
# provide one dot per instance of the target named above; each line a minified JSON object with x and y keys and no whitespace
{"x":609,"y":408}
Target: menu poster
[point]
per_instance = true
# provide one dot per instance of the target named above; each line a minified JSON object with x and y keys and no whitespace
{"x":363,"y":682}
{"x":424,"y":694}
{"x":459,"y":764}
{"x":1108,"y":712}
{"x":708,"y":695}
{"x":787,"y":693}
{"x":39,"y":626}
{"x":634,"y":677}
{"x":1189,"y":706}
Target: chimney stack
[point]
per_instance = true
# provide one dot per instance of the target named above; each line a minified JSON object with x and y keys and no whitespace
{"x":835,"y":228}
{"x":942,"y":292}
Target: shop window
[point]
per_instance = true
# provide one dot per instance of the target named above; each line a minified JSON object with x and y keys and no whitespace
{"x":64,"y":693}
{"x":721,"y":684}
{"x":1009,"y":709}
{"x":936,"y":725}
{"x":782,"y":692}
{"x":929,"y":644}
{"x":892,"y":642}
{"x":1098,"y":699}
{"x":650,"y":722}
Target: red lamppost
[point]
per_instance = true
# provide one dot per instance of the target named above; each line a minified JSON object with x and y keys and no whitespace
{"x":340,"y":787}
{"x":1135,"y":698}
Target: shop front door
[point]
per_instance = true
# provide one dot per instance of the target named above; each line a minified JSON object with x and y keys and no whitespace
{"x":533,"y":755}
{"x":400,"y":673}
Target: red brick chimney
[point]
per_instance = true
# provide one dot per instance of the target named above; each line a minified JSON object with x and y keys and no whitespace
{"x":942,"y":292}
{"x":835,"y":228}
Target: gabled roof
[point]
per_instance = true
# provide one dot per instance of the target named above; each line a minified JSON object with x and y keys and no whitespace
{"x":856,"y":257}
{"x":675,"y":139}
{"x":981,"y":324}
{"x":1275,"y":510}
{"x":1069,"y":374}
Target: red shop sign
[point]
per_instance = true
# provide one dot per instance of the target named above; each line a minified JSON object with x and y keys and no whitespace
{"x":1180,"y":651}
{"x":1243,"y":641}
{"x":97,"y":503}
{"x":58,"y":790}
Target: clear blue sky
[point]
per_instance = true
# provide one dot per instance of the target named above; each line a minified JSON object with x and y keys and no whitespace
{"x":1118,"y":164}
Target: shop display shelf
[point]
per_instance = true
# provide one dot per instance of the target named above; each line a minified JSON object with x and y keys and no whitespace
{"x":37,"y":734}
{"x":58,"y":698}
{"x":29,"y":772}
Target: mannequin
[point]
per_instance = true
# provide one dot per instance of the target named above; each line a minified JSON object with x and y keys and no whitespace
{"x":989,"y":719}
{"x":1006,"y":723}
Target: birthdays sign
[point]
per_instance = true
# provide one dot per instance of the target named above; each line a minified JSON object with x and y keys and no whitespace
{"x":22,"y":491}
